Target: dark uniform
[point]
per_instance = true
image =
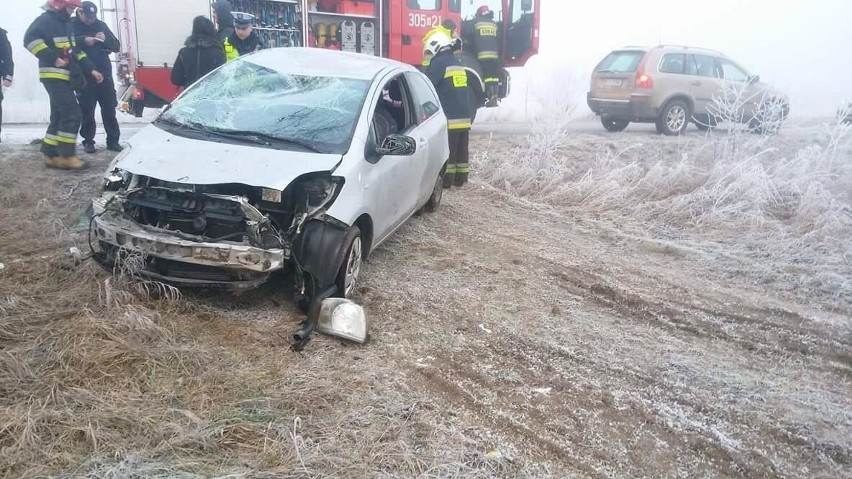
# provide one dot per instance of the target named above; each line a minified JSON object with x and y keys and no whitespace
{"x":7,"y":67}
{"x":50,"y":38}
{"x":98,"y":93}
{"x":450,"y":79}
{"x":486,"y":46}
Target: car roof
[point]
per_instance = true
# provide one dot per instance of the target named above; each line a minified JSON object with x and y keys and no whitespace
{"x":672,"y":48}
{"x":322,"y":62}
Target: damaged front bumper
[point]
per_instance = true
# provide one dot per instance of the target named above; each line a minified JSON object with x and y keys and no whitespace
{"x":187,"y":262}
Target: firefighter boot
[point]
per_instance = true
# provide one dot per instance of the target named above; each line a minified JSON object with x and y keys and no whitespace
{"x":65,"y":163}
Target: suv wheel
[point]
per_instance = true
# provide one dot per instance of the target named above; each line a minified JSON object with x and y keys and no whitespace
{"x":614,"y":125}
{"x":705,"y":122}
{"x":674,"y":118}
{"x":770,"y":117}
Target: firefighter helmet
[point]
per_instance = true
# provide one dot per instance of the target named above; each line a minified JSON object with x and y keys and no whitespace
{"x":60,"y":4}
{"x":438,"y":41}
{"x":484,"y":11}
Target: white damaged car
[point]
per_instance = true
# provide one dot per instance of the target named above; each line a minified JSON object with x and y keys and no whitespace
{"x":287,"y":159}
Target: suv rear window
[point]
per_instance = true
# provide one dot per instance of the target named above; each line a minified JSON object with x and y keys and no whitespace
{"x":620,"y":62}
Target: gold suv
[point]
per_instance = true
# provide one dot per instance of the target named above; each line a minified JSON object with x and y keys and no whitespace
{"x":672,"y":86}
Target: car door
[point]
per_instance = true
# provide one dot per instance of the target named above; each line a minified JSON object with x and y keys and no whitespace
{"x":705,"y":83}
{"x":431,"y":133}
{"x":739,"y":88}
{"x":392,"y":182}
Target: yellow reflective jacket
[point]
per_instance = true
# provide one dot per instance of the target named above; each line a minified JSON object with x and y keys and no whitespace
{"x":231,"y":52}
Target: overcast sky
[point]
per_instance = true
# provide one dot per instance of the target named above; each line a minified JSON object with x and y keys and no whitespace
{"x":799,"y":46}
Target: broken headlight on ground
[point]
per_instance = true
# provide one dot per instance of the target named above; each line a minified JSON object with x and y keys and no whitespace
{"x":344,"y":319}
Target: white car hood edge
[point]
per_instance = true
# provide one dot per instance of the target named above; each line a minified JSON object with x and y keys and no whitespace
{"x":158,"y":154}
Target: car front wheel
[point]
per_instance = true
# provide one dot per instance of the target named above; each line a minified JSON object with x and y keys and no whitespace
{"x":350,"y":270}
{"x":674,"y":118}
{"x":437,"y":194}
{"x":770,"y":117}
{"x":614,"y":125}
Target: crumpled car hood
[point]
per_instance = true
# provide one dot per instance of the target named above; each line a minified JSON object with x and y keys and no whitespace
{"x":161,"y":155}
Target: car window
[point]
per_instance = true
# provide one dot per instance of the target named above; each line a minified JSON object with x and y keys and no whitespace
{"x":426,"y":104}
{"x":245,"y":97}
{"x":431,"y":5}
{"x":703,"y":65}
{"x":732,"y":71}
{"x":394,"y":111}
{"x":673,"y":63}
{"x":620,"y":62}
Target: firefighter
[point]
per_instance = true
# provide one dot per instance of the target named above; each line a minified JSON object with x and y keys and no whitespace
{"x":448,"y":28}
{"x":61,"y":70}
{"x":244,"y":40}
{"x":7,"y":69}
{"x":450,"y":79}
{"x":98,"y":41}
{"x":486,"y":46}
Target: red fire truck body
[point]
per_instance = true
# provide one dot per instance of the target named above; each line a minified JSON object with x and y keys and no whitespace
{"x":152,"y":32}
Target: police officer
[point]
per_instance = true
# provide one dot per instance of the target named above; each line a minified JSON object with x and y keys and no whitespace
{"x":244,"y":40}
{"x":450,"y":79}
{"x":98,"y":41}
{"x":63,"y":68}
{"x":486,"y":46}
{"x":7,"y":69}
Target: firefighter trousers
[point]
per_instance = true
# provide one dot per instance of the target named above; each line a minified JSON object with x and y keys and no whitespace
{"x":61,"y":136}
{"x":102,"y":94}
{"x":491,"y":76}
{"x":458,"y":167}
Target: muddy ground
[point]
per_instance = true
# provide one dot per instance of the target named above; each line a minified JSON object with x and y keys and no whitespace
{"x":509,"y":338}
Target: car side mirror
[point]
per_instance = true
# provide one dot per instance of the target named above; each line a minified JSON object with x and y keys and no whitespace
{"x":753,"y":79}
{"x":397,"y":145}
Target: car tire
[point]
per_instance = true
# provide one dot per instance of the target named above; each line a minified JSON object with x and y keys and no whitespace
{"x":674,"y":118}
{"x":614,"y":126}
{"x":347,"y":276}
{"x":705,"y":122}
{"x":353,"y":242}
{"x":437,"y":194}
{"x":770,"y":117}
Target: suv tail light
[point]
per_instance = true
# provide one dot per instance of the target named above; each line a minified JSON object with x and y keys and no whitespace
{"x":643,"y":80}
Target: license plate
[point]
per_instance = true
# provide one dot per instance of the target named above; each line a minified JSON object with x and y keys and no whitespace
{"x":612,"y":82}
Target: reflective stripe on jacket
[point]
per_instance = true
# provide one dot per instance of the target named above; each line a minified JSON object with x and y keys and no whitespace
{"x":486,"y":42}
{"x":451,"y":82}
{"x":50,"y":38}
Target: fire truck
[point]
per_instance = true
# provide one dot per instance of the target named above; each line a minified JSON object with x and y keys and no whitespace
{"x":152,"y":32}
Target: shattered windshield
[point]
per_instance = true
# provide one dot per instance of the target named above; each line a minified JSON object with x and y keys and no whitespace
{"x":245,"y":102}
